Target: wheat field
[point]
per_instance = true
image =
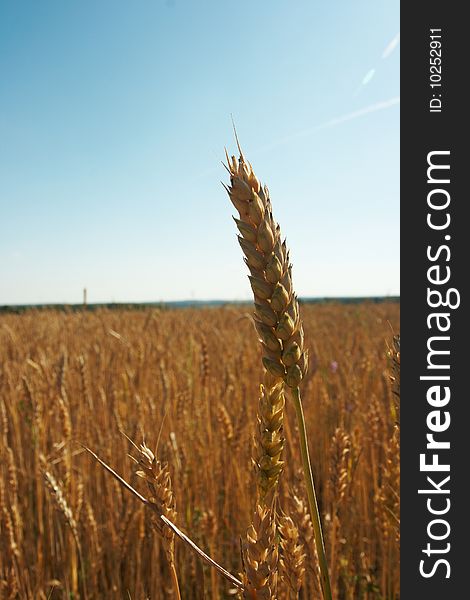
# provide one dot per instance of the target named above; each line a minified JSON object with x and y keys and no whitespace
{"x":186,"y":382}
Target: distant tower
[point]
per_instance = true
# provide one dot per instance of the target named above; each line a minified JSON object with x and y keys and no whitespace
{"x":84,"y":297}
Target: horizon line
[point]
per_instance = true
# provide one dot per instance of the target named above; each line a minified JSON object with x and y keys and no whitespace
{"x":194,"y":301}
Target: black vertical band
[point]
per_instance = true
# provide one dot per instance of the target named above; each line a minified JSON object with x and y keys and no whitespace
{"x":435,"y":333}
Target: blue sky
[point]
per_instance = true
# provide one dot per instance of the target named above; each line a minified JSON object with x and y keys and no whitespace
{"x":113,"y":121}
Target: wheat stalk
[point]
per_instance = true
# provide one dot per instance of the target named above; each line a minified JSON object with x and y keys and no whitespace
{"x":277,"y":317}
{"x":157,"y":476}
{"x":338,"y":483}
{"x":59,"y":497}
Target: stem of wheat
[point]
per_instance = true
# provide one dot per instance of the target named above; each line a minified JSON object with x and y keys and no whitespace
{"x":277,"y":316}
{"x":311,"y":495}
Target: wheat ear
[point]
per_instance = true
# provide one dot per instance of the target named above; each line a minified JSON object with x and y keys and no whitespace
{"x":292,"y":556}
{"x":394,"y":356}
{"x":277,"y":317}
{"x":157,"y":476}
{"x":61,"y":502}
{"x":260,"y":556}
{"x":270,"y":439}
{"x":152,"y":505}
{"x":307,"y":535}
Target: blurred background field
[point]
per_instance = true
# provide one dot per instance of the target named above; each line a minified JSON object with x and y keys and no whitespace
{"x":188,"y":378}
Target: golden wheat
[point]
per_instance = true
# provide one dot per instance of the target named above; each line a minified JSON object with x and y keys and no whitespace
{"x":212,"y":477}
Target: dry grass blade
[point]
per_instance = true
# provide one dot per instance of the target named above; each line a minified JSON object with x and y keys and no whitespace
{"x":210,"y":561}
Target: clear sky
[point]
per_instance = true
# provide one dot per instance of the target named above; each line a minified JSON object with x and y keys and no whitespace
{"x":113,"y":120}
